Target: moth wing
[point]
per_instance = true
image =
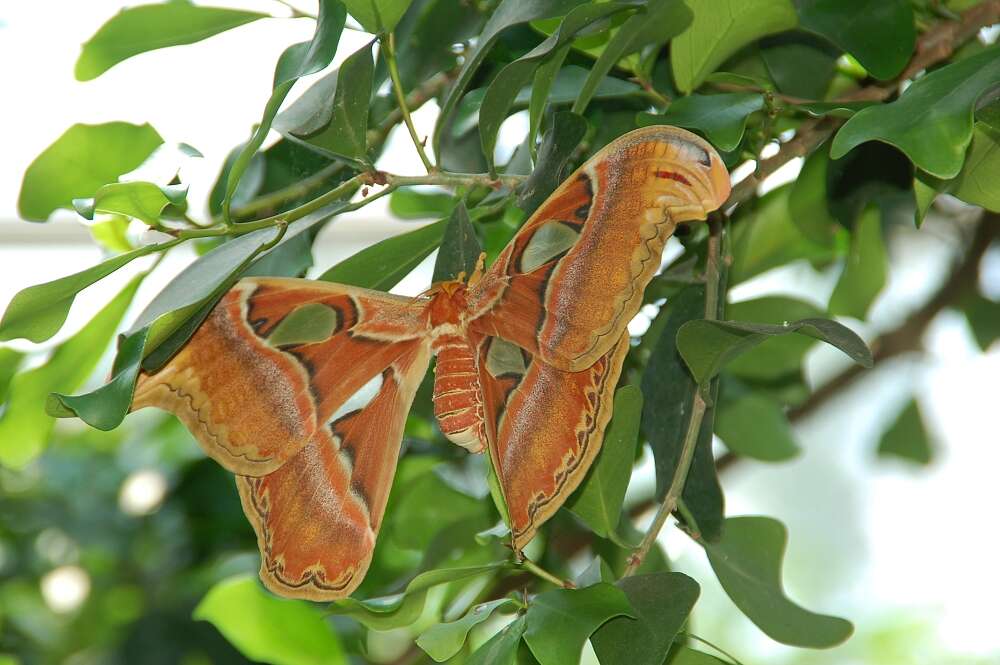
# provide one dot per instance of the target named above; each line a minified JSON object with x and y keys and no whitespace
{"x":572,"y":277}
{"x":317,"y":517}
{"x":544,"y":425}
{"x":274,"y":361}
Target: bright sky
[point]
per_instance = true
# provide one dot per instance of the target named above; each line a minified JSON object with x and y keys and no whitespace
{"x":921,"y":541}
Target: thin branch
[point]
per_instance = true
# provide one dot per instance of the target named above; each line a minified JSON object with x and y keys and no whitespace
{"x":541,"y":573}
{"x":445,"y":179}
{"x":389,"y":52}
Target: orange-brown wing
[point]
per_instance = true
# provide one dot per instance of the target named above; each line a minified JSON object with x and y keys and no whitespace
{"x":544,"y":425}
{"x":573,"y":276}
{"x":274,"y":360}
{"x":317,"y":516}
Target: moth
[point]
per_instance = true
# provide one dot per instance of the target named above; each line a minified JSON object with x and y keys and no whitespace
{"x":301,"y":388}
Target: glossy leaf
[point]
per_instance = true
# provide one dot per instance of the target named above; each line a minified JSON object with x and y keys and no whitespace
{"x":661,"y":21}
{"x":932,"y":120}
{"x":24,"y":425}
{"x":777,"y":357}
{"x":835,"y":109}
{"x":503,"y":90}
{"x":377,"y":16}
{"x":882,"y":41}
{"x":721,"y":118}
{"x":661,"y":603}
{"x":269,"y":629}
{"x":807,"y":201}
{"x":907,"y":437}
{"x":444,"y":640}
{"x":297,"y":60}
{"x":719,"y":29}
{"x":865,"y":270}
{"x":558,"y":145}
{"x":37,"y":312}
{"x":508,"y":14}
{"x":385,"y":263}
{"x":687,"y":656}
{"x":755,"y":426}
{"x":403,"y":608}
{"x":340,"y":126}
{"x":140,"y":200}
{"x":502,"y":648}
{"x":707,"y":346}
{"x":799,"y":63}
{"x":976,"y":182}
{"x":460,"y":248}
{"x":98,"y":153}
{"x":560,"y":621}
{"x":747,"y":562}
{"x":598,"y":501}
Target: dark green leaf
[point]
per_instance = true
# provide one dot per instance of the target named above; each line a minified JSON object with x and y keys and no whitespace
{"x":502,"y":647}
{"x":686,"y":656}
{"x":747,"y":562}
{"x":541,"y":98}
{"x":428,"y":505}
{"x":377,"y":16}
{"x":707,"y":346}
{"x":98,"y":153}
{"x":932,"y":120}
{"x":460,"y":248}
{"x":508,"y":82}
{"x":403,"y":608}
{"x":24,"y":425}
{"x":662,"y":20}
{"x":807,"y":201}
{"x":560,"y":621}
{"x":382,"y":265}
{"x":720,"y":28}
{"x":778,"y":357}
{"x":754,"y":425}
{"x":136,"y":30}
{"x":668,"y":392}
{"x":38,"y":312}
{"x":976,"y":182}
{"x":558,"y":145}
{"x":409,"y":203}
{"x":721,"y":118}
{"x":907,"y":437}
{"x":800,"y":64}
{"x":297,"y":60}
{"x":598,"y":501}
{"x":340,"y":126}
{"x":508,"y":14}
{"x":879,"y":33}
{"x":662,"y":603}
{"x":865,"y":270}
{"x":444,"y":640}
{"x":835,"y":109}
{"x":983,"y":315}
{"x":269,"y":629}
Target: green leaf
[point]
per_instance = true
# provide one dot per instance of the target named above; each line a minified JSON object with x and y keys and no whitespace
{"x":835,"y":109}
{"x":269,"y":629}
{"x":754,"y":425}
{"x":340,"y":126}
{"x":976,"y":182}
{"x":880,"y":34}
{"x":807,"y":201}
{"x":907,"y":437}
{"x":460,"y":248}
{"x":140,"y":200}
{"x":377,"y":16}
{"x":558,"y":145}
{"x":37,"y":312}
{"x":112,"y":234}
{"x":865,"y":271}
{"x":721,"y":118}
{"x":10,"y":362}
{"x":402,"y":609}
{"x":296,"y":61}
{"x":409,"y":203}
{"x":385,"y":263}
{"x":444,"y":640}
{"x":560,"y":621}
{"x":136,"y":30}
{"x":427,"y":506}
{"x":932,"y":120}
{"x":508,"y":14}
{"x":598,"y":501}
{"x":707,"y":346}
{"x":662,"y":603}
{"x":686,"y":656}
{"x":98,"y":153}
{"x":668,"y":392}
{"x":747,"y":562}
{"x":502,"y":648}
{"x":720,"y":28}
{"x":983,"y":316}
{"x":503,"y":90}
{"x":661,"y":21}
{"x":799,"y":63}
{"x":24,"y":425}
{"x":777,"y":357}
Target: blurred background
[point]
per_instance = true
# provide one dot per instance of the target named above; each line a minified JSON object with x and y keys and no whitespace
{"x":109,"y":540}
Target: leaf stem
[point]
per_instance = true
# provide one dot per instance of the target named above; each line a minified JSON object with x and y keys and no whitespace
{"x":453,"y":179}
{"x":388,"y":43}
{"x":540,"y":572}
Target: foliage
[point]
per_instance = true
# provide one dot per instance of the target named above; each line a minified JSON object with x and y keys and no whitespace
{"x":442,"y":584}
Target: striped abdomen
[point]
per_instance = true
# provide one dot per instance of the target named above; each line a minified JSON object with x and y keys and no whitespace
{"x":457,"y":402}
